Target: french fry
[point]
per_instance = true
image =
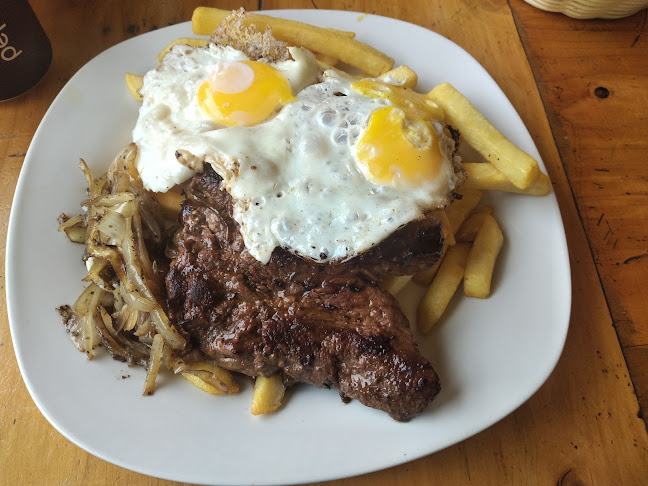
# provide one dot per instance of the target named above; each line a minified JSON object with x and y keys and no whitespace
{"x":325,"y":41}
{"x":459,"y":210}
{"x":393,"y":285}
{"x":189,"y":41}
{"x":326,"y":59}
{"x":342,"y":33}
{"x":519,"y":167}
{"x":443,"y":287}
{"x":481,"y":259}
{"x":401,"y":76}
{"x":206,"y":19}
{"x":486,"y":177}
{"x":134,"y":82}
{"x":470,"y":227}
{"x":267,"y":395}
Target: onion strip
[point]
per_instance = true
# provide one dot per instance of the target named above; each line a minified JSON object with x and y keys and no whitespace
{"x":90,"y":336}
{"x":154,"y":364}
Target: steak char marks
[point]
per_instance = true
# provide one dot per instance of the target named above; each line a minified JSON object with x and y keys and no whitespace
{"x":328,"y":325}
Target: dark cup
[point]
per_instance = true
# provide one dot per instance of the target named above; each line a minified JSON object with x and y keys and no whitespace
{"x":25,"y":50}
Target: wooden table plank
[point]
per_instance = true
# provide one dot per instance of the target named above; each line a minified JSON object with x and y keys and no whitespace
{"x":580,"y":428}
{"x":594,"y":84}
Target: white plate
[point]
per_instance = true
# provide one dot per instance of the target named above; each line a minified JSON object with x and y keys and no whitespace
{"x":491,"y":355}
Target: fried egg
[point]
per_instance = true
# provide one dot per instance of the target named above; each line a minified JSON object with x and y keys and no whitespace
{"x":197,"y":90}
{"x":320,"y":164}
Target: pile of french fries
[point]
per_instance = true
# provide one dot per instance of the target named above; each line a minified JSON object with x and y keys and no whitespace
{"x":473,"y":239}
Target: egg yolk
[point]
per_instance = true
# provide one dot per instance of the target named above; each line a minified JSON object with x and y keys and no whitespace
{"x":396,"y":151}
{"x":243,"y":93}
{"x":399,"y":146}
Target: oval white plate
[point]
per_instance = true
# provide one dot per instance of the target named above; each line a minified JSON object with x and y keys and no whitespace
{"x":491,"y":355}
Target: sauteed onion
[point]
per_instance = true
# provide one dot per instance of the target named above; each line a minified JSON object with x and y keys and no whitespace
{"x":126,"y":236}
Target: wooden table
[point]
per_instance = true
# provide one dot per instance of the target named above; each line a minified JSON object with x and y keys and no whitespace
{"x":581,"y":87}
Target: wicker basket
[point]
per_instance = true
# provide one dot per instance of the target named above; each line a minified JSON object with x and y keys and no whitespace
{"x":589,"y":9}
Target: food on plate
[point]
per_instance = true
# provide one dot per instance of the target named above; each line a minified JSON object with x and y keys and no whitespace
{"x":125,"y":233}
{"x":395,"y":284}
{"x":210,"y":378}
{"x":425,"y":277}
{"x":267,"y":395}
{"x":472,"y":230}
{"x":520,"y":168}
{"x":487,"y":177}
{"x":402,"y":76}
{"x":460,"y":209}
{"x":170,"y":202}
{"x":328,"y":325}
{"x":134,"y":83}
{"x":183,"y":41}
{"x":154,"y":361}
{"x":481,"y":259}
{"x":269,"y":209}
{"x":470,"y":227}
{"x":318,"y":40}
{"x":443,"y":286}
{"x":233,"y":112}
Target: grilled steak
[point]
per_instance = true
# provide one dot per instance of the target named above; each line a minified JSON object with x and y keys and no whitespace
{"x":328,"y":325}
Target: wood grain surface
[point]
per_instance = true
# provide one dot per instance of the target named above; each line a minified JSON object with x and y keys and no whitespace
{"x":593,"y":79}
{"x":584,"y":426}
